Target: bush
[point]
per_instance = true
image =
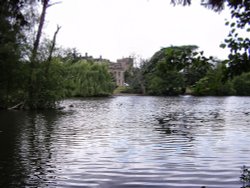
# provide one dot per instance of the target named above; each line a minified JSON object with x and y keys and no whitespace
{"x":241,"y":84}
{"x":213,"y":84}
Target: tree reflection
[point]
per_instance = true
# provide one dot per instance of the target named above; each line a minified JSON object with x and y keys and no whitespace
{"x":175,"y":124}
{"x":36,"y":147}
{"x":29,"y":137}
{"x":12,"y":172}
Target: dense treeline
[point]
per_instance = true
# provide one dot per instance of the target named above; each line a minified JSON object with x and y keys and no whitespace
{"x":65,"y":78}
{"x":181,"y":69}
{"x":33,"y":73}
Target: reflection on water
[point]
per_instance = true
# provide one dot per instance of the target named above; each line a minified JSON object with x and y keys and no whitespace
{"x":128,"y":141}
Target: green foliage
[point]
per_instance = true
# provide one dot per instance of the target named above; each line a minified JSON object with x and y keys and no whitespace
{"x":173,"y":69}
{"x":41,"y":81}
{"x":218,"y":82}
{"x":13,"y":82}
{"x":241,"y":84}
{"x":135,"y":79}
{"x":165,"y":82}
{"x":49,"y":85}
{"x":122,"y":89}
{"x":13,"y":72}
{"x":86,"y":79}
{"x":239,"y":44}
{"x":199,"y":67}
{"x":163,"y":72}
{"x":80,"y":79}
{"x":213,"y":83}
{"x":177,"y":57}
{"x":70,"y":55}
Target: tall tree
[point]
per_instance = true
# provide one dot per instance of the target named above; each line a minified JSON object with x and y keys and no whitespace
{"x":33,"y":95}
{"x":165,"y":71}
{"x":12,"y":38}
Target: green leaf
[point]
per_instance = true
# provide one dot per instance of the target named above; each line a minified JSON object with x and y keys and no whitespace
{"x":240,"y":39}
{"x":223,"y":46}
{"x":232,"y":24}
{"x":228,"y":40}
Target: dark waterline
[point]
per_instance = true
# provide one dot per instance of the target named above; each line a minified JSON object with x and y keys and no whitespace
{"x":128,"y":141}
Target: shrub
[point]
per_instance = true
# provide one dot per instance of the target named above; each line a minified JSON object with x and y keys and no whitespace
{"x":241,"y":84}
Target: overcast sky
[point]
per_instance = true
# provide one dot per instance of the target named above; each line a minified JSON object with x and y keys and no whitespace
{"x":120,"y":28}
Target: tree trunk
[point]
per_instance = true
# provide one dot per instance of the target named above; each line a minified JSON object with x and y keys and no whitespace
{"x":33,"y":60}
{"x":143,"y":89}
{"x":51,"y":50}
{"x":39,"y":32}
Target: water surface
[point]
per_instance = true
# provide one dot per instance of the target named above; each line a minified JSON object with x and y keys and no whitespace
{"x":128,"y":141}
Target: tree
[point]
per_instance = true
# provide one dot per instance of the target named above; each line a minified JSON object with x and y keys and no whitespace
{"x":216,"y":5}
{"x":34,"y":94}
{"x":241,"y":84}
{"x":85,"y":78}
{"x":213,"y":82}
{"x":135,"y":80}
{"x":165,"y":71}
{"x":12,"y":39}
{"x":199,"y":67}
{"x":174,"y":69}
{"x":33,"y":90}
{"x":239,"y":57}
{"x":239,"y":44}
{"x":51,"y":50}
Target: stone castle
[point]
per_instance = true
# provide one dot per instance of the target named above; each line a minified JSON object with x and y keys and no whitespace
{"x":117,"y":68}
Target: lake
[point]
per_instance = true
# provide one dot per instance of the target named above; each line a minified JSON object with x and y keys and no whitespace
{"x":128,"y":141}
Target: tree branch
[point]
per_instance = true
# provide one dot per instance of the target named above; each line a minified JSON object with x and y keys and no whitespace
{"x":52,"y":48}
{"x":52,"y":4}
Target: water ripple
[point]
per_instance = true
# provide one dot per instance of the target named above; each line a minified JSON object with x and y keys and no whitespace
{"x":128,"y":142}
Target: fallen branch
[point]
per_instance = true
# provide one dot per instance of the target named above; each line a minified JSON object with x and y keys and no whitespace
{"x":16,"y":106}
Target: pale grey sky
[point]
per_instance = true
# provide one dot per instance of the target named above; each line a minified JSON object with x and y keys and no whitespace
{"x":119,"y":28}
